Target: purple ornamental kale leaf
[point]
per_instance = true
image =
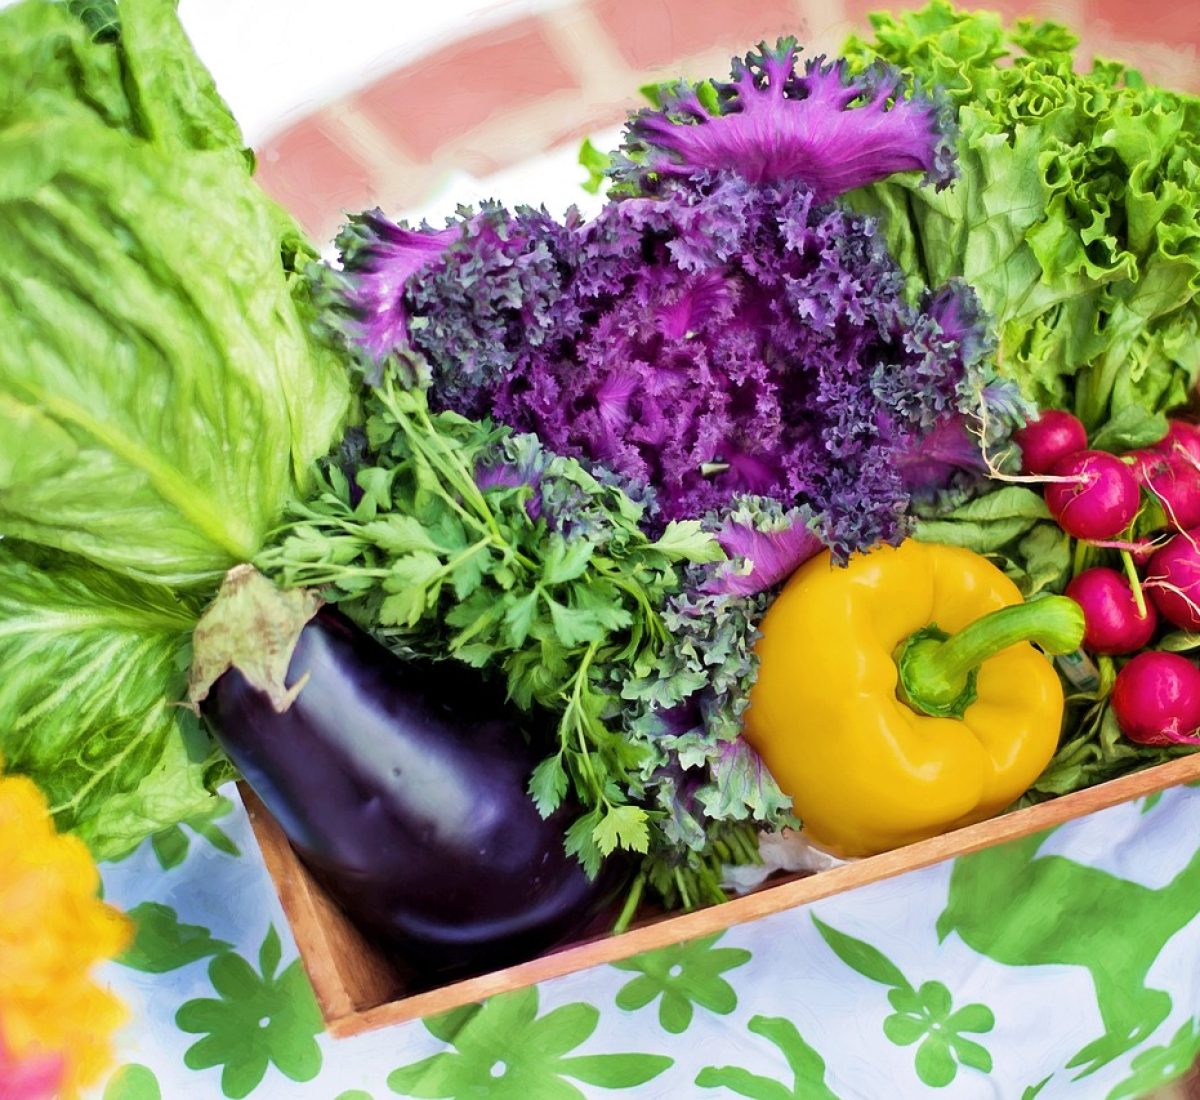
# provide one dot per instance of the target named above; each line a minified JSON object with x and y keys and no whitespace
{"x":731,"y":334}
{"x":827,"y":127}
{"x":698,"y":303}
{"x":379,"y":259}
{"x":493,"y":299}
{"x":765,"y":544}
{"x":944,"y":404}
{"x":717,"y":340}
{"x":464,"y":295}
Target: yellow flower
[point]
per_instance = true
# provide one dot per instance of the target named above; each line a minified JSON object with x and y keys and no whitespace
{"x":53,"y":929}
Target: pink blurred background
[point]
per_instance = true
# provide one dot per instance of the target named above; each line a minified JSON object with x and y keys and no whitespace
{"x":368,"y":102}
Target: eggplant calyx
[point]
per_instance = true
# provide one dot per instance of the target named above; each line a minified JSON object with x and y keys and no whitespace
{"x":252,"y":626}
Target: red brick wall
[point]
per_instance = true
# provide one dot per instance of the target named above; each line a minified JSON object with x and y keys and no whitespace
{"x":544,"y":79}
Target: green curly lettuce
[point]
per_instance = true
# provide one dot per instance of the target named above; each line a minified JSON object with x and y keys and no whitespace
{"x":1075,"y":215}
{"x":93,"y":664}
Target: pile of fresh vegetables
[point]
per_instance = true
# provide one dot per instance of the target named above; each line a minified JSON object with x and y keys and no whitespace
{"x":562,"y":558}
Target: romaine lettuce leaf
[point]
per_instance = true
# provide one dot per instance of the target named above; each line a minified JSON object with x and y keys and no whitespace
{"x":158,"y":344}
{"x":93,"y":668}
{"x":161,"y":397}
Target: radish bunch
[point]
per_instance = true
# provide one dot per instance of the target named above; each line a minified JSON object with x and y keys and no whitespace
{"x":1096,"y":497}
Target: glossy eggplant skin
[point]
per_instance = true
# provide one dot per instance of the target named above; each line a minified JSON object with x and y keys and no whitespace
{"x":402,"y":786}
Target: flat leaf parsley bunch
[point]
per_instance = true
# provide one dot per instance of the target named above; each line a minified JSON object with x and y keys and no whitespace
{"x":458,"y":538}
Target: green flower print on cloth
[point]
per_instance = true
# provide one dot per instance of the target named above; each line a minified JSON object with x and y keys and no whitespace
{"x":1160,"y":1065}
{"x":924,"y":1015}
{"x":979,"y":910}
{"x":132,"y":1082}
{"x":504,"y":1051}
{"x":807,"y":1066}
{"x":261,"y":1018}
{"x":682,"y":975}
{"x":163,"y":942}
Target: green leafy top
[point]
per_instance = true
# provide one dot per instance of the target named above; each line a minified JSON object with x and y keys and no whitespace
{"x":93,"y":664}
{"x":1075,"y":217}
{"x":460,"y":539}
{"x":161,"y":397}
{"x":160,"y":393}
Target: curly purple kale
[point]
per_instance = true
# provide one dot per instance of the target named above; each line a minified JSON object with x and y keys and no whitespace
{"x":827,"y":127}
{"x":730,"y":333}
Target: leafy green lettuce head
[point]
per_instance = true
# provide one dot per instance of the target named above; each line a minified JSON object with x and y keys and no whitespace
{"x":160,"y":393}
{"x":1075,"y":217}
{"x":160,"y":400}
{"x":93,"y":665}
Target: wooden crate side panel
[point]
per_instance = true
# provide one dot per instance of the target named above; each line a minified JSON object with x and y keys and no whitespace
{"x":348,"y":973}
{"x":317,"y":933}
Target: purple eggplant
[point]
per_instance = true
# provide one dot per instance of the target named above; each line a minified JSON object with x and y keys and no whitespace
{"x":403,"y":786}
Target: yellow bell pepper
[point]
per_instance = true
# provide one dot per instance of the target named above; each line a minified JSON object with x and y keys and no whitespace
{"x":900,"y":697}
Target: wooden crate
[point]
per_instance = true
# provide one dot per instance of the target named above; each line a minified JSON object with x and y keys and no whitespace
{"x":359,"y":988}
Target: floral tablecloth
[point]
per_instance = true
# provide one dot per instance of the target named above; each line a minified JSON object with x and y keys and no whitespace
{"x":1066,"y":965}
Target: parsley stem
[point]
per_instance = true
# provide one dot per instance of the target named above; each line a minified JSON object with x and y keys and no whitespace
{"x":460,"y":473}
{"x":746,"y":838}
{"x":422,"y":455}
{"x":685,"y":895}
{"x":632,"y":901}
{"x":466,"y":555}
{"x":314,"y":574}
{"x":444,"y":461}
{"x":574,"y":711}
{"x":442,"y":456}
{"x":653,"y":619}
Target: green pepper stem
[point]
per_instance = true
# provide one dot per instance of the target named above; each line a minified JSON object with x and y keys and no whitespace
{"x":937,"y":671}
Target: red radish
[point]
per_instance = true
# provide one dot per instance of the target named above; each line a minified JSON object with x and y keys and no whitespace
{"x":1100,"y":501}
{"x":1173,"y":480}
{"x":1183,"y":439}
{"x":1156,"y":699}
{"x":1053,"y":435}
{"x":1173,"y":580}
{"x":1110,"y":612}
